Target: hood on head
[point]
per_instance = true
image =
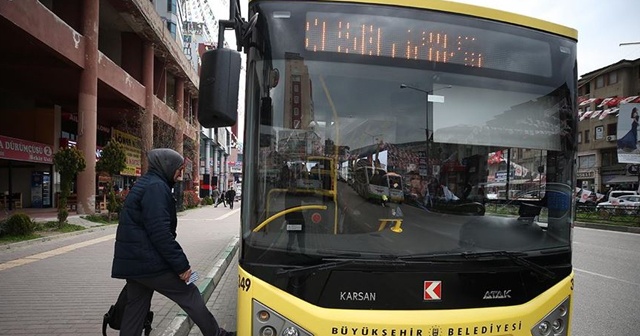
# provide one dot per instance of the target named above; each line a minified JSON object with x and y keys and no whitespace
{"x":165,"y":162}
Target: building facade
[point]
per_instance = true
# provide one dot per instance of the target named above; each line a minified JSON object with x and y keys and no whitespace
{"x":82,"y":72}
{"x":601,"y":93}
{"x":200,"y":33}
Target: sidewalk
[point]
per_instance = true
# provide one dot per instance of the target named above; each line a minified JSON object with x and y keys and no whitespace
{"x":62,"y":285}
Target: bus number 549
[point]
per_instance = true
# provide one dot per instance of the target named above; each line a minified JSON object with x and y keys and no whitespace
{"x":244,"y":283}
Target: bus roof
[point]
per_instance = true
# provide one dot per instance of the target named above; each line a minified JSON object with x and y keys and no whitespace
{"x":475,"y":11}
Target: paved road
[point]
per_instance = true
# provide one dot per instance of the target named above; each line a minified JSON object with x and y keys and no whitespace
{"x":607,"y":294}
{"x":63,"y":286}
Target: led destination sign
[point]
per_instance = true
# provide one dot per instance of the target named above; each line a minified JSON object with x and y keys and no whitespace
{"x":382,"y":36}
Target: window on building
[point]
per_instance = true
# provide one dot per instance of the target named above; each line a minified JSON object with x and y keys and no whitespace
{"x":613,"y":77}
{"x":609,"y":158}
{"x":587,"y":161}
{"x":586,"y":136}
{"x":171,"y":6}
{"x":612,"y":129}
{"x":599,"y":82}
{"x":579,"y":137}
{"x":172,"y":28}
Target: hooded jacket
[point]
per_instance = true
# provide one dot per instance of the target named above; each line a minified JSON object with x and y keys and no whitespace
{"x":146,"y":243}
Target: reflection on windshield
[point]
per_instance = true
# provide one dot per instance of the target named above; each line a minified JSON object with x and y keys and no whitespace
{"x":397,"y":175}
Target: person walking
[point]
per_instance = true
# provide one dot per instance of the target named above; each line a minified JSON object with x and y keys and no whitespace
{"x":215,"y":194}
{"x":147,"y":254}
{"x":220,"y":199}
{"x":231,"y":197}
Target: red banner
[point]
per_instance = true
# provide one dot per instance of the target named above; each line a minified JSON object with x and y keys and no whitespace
{"x":23,"y":150}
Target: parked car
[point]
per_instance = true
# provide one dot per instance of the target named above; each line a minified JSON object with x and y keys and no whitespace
{"x":611,"y":195}
{"x":626,"y":204}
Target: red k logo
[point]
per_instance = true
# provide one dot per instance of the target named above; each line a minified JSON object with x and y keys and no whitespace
{"x":432,"y":290}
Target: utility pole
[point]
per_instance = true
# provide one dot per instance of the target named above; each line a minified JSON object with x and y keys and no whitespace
{"x":427,"y":94}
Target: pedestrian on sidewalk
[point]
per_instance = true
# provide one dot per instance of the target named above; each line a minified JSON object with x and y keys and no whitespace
{"x":147,"y":254}
{"x":215,"y":194}
{"x":220,"y":199}
{"x":231,"y":197}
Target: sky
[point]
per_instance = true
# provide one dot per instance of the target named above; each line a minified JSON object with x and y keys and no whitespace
{"x":601,"y":25}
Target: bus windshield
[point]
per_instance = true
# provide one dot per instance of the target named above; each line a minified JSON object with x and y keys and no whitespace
{"x":378,"y":130}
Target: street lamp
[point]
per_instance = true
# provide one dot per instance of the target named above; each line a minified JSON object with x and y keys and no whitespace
{"x":427,"y":94}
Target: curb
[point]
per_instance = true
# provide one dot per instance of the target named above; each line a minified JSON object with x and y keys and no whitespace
{"x":56,"y":237}
{"x":619,"y":228}
{"x":181,"y":324}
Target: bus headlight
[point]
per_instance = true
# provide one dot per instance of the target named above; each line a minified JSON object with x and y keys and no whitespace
{"x":290,"y":331}
{"x":267,"y":331}
{"x":554,"y":324}
{"x":267,"y":322}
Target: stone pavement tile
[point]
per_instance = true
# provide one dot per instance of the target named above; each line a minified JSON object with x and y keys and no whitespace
{"x":68,"y":293}
{"x":223,"y":301}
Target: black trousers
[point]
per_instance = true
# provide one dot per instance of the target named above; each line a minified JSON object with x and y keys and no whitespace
{"x":188,"y":297}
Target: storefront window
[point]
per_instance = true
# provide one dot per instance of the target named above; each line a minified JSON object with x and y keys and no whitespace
{"x":587,"y":161}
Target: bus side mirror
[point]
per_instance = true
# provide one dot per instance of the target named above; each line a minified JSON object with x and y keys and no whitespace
{"x":219,"y":85}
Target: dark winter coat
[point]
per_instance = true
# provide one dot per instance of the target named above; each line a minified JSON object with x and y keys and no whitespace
{"x":230,"y":195}
{"x":146,"y":243}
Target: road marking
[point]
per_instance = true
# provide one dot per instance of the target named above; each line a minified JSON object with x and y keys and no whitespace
{"x":53,"y":253}
{"x":228,"y":214}
{"x":209,"y":219}
{"x":606,"y":276}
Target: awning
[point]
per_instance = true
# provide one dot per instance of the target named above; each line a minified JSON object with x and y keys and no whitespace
{"x":588,"y":101}
{"x":581,"y":99}
{"x":619,"y":179}
{"x":631,"y":99}
{"x":596,"y":114}
{"x":610,"y":102}
{"x":586,"y":115}
{"x":609,"y":112}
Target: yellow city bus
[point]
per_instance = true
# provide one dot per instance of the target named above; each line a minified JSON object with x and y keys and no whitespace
{"x":440,"y":87}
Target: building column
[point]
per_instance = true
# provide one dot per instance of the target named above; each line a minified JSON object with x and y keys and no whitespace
{"x":146,"y":119}
{"x":57,"y":132}
{"x":196,"y":158}
{"x":88,"y":108}
{"x":207,"y":156}
{"x":179,"y":135}
{"x":214,"y":171}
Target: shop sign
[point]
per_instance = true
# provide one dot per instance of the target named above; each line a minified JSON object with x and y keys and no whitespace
{"x":132,"y":149}
{"x":586,"y":174}
{"x":23,"y":150}
{"x":74,"y":118}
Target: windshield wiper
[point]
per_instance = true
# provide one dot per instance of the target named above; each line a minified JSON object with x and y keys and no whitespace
{"x":330,"y":263}
{"x":517,"y":257}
